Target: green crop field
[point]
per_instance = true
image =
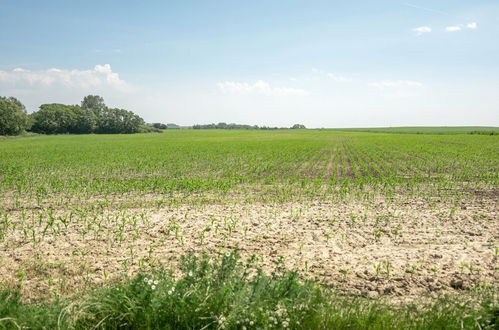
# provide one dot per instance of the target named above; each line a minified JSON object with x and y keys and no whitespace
{"x":366,"y":219}
{"x":484,"y":130}
{"x":220,"y":161}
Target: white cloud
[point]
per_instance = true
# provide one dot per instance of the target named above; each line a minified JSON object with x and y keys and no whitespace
{"x":395,"y":83}
{"x":472,"y":25}
{"x":422,"y":29}
{"x":453,"y":28}
{"x":101,"y":76}
{"x":259,"y":87}
{"x":338,"y":78}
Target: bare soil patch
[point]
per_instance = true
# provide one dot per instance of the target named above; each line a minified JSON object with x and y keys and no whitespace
{"x":401,"y":249}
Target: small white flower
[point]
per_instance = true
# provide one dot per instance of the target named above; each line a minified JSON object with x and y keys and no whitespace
{"x":173,"y":289}
{"x":149,"y":282}
{"x":153,"y":287}
{"x":252,"y":323}
{"x":227,"y":254}
{"x":156,"y":282}
{"x":190,"y":274}
{"x":146,"y":279}
{"x":170,"y":292}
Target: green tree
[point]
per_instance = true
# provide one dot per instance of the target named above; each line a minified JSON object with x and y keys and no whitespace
{"x":54,"y":118}
{"x":85,"y":120}
{"x":94,"y":103}
{"x":115,"y":121}
{"x":13,"y":117}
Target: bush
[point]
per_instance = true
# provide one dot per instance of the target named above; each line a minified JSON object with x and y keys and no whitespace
{"x":149,"y":129}
{"x":13,"y":117}
{"x":158,"y":125}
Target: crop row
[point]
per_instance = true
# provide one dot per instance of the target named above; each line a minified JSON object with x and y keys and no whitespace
{"x":221,"y":161}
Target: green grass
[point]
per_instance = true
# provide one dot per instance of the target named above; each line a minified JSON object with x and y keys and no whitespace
{"x":485,"y":130}
{"x":227,"y":292}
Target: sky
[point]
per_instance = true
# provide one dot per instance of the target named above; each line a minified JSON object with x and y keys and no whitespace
{"x":275,"y":63}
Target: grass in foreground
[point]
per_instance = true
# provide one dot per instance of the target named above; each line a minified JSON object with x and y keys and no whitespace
{"x":227,"y":292}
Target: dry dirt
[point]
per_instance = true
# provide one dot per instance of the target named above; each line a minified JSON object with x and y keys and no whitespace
{"x":401,"y":249}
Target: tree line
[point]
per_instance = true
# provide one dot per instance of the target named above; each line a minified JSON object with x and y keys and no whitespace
{"x":239,"y":126}
{"x":91,"y":116}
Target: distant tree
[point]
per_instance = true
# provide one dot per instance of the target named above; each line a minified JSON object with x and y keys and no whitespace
{"x":13,"y":117}
{"x":85,"y":120}
{"x":159,"y":126}
{"x":298,"y":126}
{"x":94,"y":103}
{"x":54,"y":118}
{"x":232,"y":126}
{"x":91,"y":117}
{"x":113,"y":121}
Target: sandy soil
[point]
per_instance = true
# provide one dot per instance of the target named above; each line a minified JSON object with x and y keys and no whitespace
{"x":401,"y":249}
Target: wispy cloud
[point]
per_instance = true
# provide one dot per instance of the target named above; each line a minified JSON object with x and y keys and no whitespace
{"x":338,"y":78}
{"x":395,"y":83}
{"x":99,"y":76}
{"x":259,"y":87}
{"x":426,"y":9}
{"x":422,"y":29}
{"x":332,"y":76}
{"x":471,"y":25}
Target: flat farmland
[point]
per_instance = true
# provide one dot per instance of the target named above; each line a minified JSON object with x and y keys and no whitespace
{"x":371,"y":214}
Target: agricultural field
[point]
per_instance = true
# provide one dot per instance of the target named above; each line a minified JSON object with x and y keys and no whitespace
{"x":399,"y":217}
{"x":485,"y":130}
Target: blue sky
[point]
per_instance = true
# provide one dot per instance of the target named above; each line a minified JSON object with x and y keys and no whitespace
{"x":320,"y":63}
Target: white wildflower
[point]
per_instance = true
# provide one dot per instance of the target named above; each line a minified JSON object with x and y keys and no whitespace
{"x":221,"y":322}
{"x":153,"y":287}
